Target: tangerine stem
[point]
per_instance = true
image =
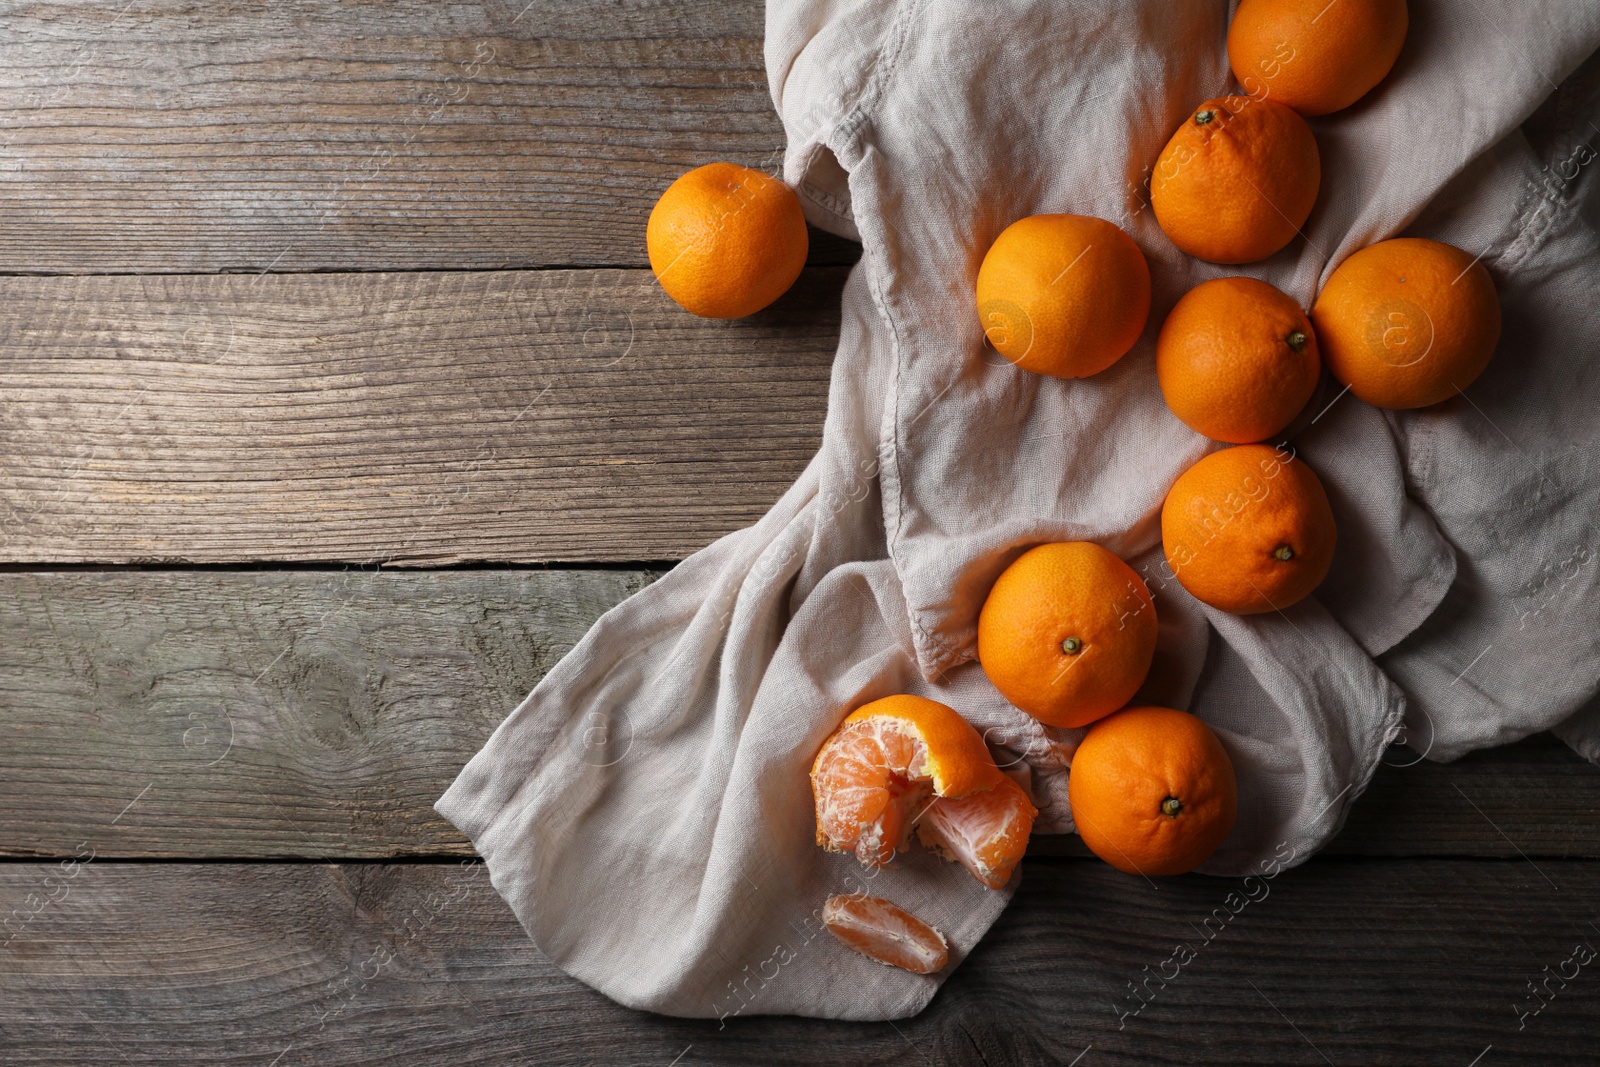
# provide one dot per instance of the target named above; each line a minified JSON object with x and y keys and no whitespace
{"x":1284,"y":553}
{"x":1072,"y":646}
{"x":1171,"y":806}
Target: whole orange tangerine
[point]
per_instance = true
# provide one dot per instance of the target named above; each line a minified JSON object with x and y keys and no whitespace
{"x":1408,"y":322}
{"x":1237,"y":180}
{"x":1067,"y":633}
{"x":1248,"y":529}
{"x":1313,"y":55}
{"x":725,"y":241}
{"x":1152,"y":791}
{"x":1064,"y":295}
{"x":1237,"y":360}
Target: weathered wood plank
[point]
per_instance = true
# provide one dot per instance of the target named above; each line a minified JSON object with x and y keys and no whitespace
{"x":323,"y":135}
{"x":403,"y":418}
{"x":351,"y":699}
{"x":265,"y":714}
{"x":1373,"y":962}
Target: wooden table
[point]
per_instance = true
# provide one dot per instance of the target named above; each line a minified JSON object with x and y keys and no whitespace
{"x":337,"y":401}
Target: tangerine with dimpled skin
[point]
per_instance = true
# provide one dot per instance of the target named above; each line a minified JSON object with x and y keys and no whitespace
{"x":1408,"y":322}
{"x":1237,"y":180}
{"x":1237,"y":360}
{"x":1067,"y":633}
{"x":725,"y":241}
{"x":1248,"y":529}
{"x":1063,"y":295}
{"x":1152,"y":791}
{"x":1313,"y":55}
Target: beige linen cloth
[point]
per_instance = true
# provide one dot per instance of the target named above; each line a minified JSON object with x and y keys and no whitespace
{"x":646,"y":811}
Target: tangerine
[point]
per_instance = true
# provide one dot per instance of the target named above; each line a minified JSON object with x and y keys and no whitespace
{"x":1237,"y":360}
{"x":725,"y":241}
{"x":1063,"y":295}
{"x":1248,"y":529}
{"x":1408,"y":322}
{"x":1313,"y":55}
{"x":1152,"y":791}
{"x":1237,"y":180}
{"x":904,"y":763}
{"x":1067,"y":633}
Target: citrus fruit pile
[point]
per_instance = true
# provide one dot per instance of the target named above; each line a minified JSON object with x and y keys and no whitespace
{"x":1067,"y":633}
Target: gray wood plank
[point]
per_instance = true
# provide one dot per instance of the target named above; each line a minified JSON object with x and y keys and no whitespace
{"x":352,"y":698}
{"x":318,"y":135}
{"x":1371,"y":962}
{"x":218,"y":714}
{"x":402,"y":418}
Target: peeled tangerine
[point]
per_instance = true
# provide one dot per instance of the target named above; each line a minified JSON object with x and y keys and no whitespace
{"x":904,"y":763}
{"x":885,"y":932}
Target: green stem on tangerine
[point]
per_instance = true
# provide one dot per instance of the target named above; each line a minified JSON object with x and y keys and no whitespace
{"x":1171,"y":806}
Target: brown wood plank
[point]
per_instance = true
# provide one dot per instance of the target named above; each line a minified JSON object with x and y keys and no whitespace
{"x":1375,"y":962}
{"x":402,"y":418}
{"x":145,"y":136}
{"x":352,"y":699}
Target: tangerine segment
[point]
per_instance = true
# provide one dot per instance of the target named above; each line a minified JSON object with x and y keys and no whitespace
{"x":1063,"y":295}
{"x":1237,"y":180}
{"x":883,"y":931}
{"x":986,"y":832}
{"x":1408,"y":322}
{"x":725,"y":241}
{"x":1067,"y":633}
{"x":1248,"y":529}
{"x":897,"y":760}
{"x":1315,"y":56}
{"x":1152,"y":791}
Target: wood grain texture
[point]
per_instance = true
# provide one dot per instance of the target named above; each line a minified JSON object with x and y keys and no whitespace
{"x":310,"y":714}
{"x":1374,"y":962}
{"x":398,"y":418}
{"x":320,"y":714}
{"x":158,"y":136}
